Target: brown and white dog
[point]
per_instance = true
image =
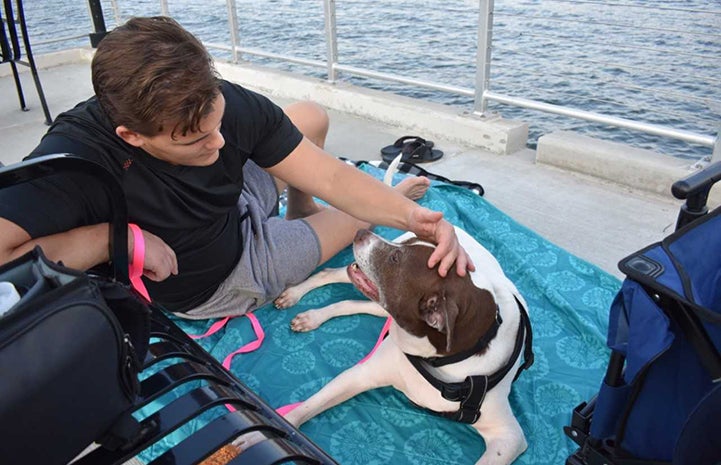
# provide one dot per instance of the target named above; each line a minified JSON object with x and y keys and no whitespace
{"x":461,"y":331}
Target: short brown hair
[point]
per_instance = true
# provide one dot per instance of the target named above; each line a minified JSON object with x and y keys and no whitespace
{"x":150,"y":72}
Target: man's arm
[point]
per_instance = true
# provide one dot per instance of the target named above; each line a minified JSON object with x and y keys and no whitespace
{"x":80,"y":248}
{"x":85,"y":247}
{"x":317,"y":173}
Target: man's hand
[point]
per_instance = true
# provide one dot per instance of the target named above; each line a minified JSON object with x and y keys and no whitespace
{"x":430,"y":225}
{"x":160,"y":261}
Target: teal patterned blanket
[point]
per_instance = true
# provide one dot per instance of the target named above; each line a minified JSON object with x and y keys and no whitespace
{"x":568,"y":300}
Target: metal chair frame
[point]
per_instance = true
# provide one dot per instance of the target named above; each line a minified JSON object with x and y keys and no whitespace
{"x":11,"y":52}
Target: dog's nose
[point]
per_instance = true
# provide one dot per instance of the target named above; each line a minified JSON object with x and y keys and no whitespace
{"x":361,"y":235}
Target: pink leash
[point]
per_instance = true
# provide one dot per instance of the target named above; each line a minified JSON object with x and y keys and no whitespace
{"x":249,"y":347}
{"x":136,"y":265}
{"x":386,"y":326}
{"x":136,"y":272}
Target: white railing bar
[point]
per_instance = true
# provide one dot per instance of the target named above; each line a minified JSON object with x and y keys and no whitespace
{"x":643,"y":7}
{"x":624,"y":26}
{"x":484,"y":54}
{"x":349,"y":69}
{"x":116,"y":12}
{"x":649,"y":128}
{"x":411,"y":81}
{"x":59,"y":39}
{"x":164,"y":8}
{"x":263,"y":54}
{"x":232,"y":12}
{"x":331,"y":38}
{"x":686,"y":117}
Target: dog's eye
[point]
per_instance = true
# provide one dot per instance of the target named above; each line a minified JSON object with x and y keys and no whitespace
{"x":395,"y":256}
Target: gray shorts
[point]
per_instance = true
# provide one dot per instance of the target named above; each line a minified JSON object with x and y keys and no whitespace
{"x":277,"y":253}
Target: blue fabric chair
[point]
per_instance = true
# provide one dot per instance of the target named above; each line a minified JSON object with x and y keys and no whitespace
{"x":661,"y":397}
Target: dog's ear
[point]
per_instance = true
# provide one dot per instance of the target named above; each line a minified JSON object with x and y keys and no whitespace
{"x":440,"y":313}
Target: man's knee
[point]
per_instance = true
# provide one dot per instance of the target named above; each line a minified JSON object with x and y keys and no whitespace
{"x":311,"y":119}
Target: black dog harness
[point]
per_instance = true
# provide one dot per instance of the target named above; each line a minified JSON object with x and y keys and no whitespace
{"x":471,"y":392}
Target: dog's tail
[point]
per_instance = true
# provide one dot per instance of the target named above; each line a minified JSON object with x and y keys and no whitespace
{"x":391,"y":170}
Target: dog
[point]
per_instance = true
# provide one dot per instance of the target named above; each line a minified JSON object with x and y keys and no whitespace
{"x":454,"y":345}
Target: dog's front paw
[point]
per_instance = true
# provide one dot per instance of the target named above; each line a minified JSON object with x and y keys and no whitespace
{"x":307,"y":321}
{"x":288,"y":298}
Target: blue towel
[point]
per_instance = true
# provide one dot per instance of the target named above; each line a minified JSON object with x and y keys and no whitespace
{"x":568,"y":302}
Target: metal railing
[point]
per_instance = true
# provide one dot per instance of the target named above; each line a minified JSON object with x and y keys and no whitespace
{"x":481,"y":94}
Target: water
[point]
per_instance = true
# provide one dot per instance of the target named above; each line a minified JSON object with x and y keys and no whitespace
{"x":652,"y":61}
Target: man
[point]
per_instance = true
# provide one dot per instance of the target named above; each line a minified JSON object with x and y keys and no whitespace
{"x":201,"y":162}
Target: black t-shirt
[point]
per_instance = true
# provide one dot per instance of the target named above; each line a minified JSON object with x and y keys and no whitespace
{"x":193,"y":209}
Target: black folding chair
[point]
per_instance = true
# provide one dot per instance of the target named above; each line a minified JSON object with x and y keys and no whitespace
{"x":175,"y":365}
{"x":10,"y":52}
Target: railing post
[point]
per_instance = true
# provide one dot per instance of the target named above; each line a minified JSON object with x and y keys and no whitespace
{"x":116,"y":12}
{"x":716,"y":154}
{"x":233,"y":26}
{"x":483,"y":55}
{"x":331,"y":38}
{"x":164,"y":8}
{"x":96,"y":14}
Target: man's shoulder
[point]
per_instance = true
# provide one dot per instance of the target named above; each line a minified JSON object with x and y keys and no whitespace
{"x":243,"y":99}
{"x":84,"y":131}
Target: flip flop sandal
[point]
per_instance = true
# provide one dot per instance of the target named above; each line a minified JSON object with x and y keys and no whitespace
{"x":389,"y":152}
{"x":419,"y":152}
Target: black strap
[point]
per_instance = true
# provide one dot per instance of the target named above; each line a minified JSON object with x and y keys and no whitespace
{"x":472,"y":391}
{"x":245,"y":216}
{"x":415,"y":170}
{"x":528,"y":356}
{"x":477,"y":347}
{"x":122,"y":434}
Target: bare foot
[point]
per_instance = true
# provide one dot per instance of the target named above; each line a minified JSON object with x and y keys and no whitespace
{"x":413,"y":187}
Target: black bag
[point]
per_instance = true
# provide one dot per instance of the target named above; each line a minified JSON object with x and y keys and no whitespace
{"x":71,"y":348}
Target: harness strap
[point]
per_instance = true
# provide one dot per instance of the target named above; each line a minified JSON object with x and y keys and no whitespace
{"x":477,"y":347}
{"x":472,"y":391}
{"x":528,"y":356}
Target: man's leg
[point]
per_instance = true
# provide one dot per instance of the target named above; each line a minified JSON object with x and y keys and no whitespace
{"x":312,"y":121}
